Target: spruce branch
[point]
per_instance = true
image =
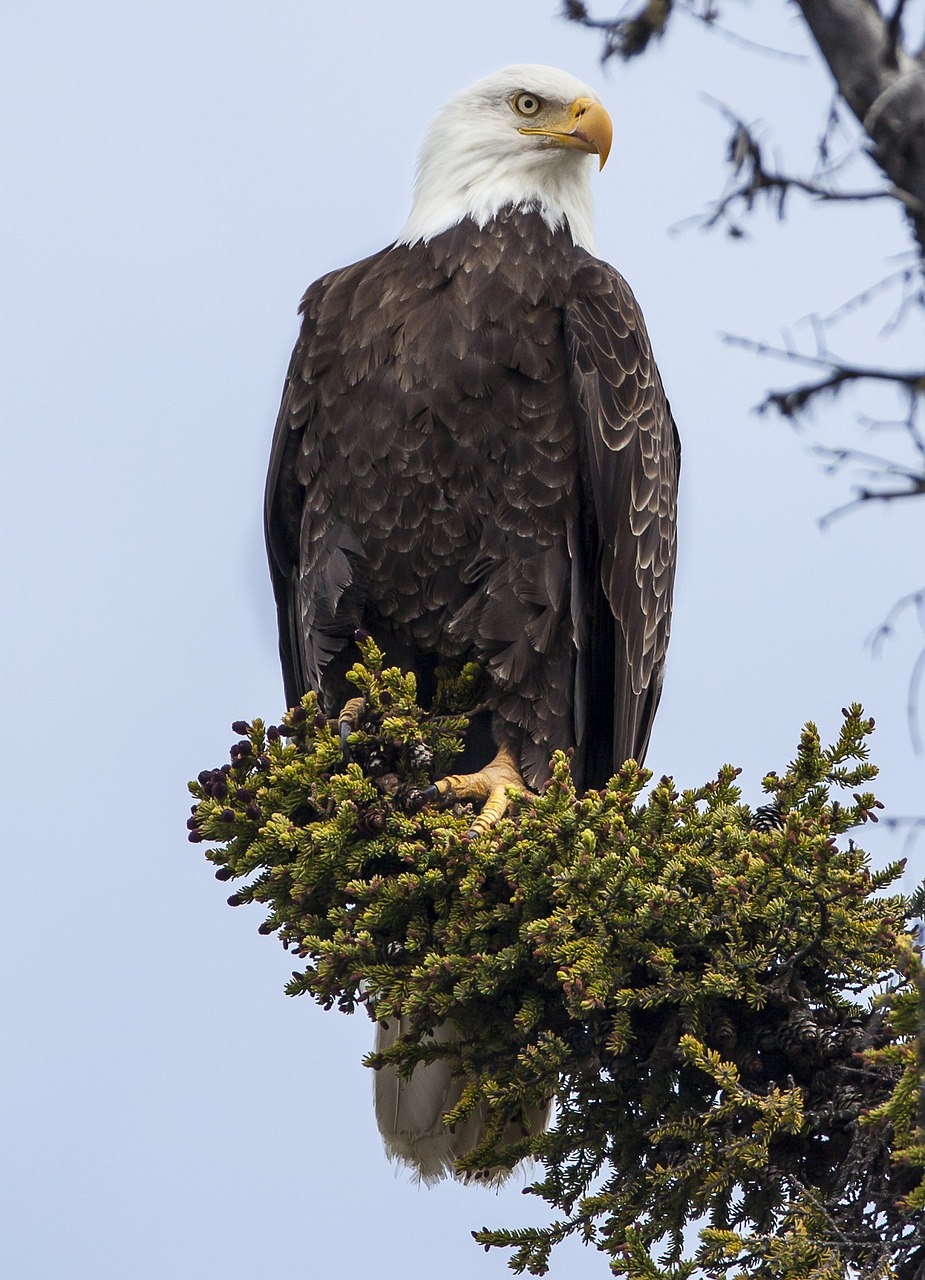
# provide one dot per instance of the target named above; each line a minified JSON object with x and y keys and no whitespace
{"x":686,"y":979}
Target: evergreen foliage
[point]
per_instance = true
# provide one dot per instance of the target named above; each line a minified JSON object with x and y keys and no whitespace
{"x":689,"y":980}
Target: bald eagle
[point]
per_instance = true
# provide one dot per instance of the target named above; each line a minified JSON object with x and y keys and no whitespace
{"x":475,"y":459}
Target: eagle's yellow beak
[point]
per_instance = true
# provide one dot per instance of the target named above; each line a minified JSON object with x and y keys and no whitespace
{"x":585,"y":125}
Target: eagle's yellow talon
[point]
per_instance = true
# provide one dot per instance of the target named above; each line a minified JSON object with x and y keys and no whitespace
{"x":490,"y":784}
{"x":348,"y":721}
{"x":494,"y":808}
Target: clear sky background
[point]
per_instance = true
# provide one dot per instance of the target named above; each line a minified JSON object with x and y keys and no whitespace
{"x":174,"y":175}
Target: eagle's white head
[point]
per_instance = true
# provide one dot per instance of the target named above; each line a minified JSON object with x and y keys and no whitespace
{"x":523,"y":137}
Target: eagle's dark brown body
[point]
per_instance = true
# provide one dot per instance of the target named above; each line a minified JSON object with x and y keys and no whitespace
{"x":475,"y":458}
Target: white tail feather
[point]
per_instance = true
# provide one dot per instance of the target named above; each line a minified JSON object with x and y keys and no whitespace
{"x":410,"y":1113}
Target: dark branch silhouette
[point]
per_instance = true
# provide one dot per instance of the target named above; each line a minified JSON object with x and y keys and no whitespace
{"x":753,"y":179}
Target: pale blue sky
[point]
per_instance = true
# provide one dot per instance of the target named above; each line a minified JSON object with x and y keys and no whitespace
{"x":174,"y":176}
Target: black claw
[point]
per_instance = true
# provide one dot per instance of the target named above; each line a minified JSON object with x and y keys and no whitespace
{"x":347,"y":725}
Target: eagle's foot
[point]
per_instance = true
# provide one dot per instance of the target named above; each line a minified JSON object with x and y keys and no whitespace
{"x":489,"y":784}
{"x":348,"y":721}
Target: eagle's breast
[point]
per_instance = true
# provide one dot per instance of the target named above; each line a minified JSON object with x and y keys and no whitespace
{"x":438,"y":452}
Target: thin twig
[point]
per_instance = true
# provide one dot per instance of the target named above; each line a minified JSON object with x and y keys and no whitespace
{"x":912,"y":378}
{"x":914,"y":601}
{"x":903,"y":276}
{"x":754,"y":46}
{"x":630,"y":36}
{"x":744,"y":153}
{"x":876,"y":464}
{"x":864,"y":496}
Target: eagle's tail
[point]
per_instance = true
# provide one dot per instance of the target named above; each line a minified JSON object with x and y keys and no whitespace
{"x":410,"y":1114}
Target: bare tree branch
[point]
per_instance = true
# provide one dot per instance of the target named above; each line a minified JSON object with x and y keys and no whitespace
{"x":792,"y":401}
{"x":629,"y":37}
{"x":911,"y":284}
{"x":753,"y":180}
{"x":890,"y":480}
{"x":863,"y":494}
{"x":624,"y":36}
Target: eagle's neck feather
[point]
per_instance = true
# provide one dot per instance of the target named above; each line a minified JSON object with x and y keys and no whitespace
{"x":457,"y":181}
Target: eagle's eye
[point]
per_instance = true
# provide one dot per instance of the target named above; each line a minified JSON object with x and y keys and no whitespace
{"x":526,"y":104}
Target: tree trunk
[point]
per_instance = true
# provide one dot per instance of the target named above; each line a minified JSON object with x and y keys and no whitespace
{"x":884,"y":86}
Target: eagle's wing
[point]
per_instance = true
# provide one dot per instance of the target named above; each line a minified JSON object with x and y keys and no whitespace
{"x":631,"y":458}
{"x":282,"y":520}
{"x":315,"y":559}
